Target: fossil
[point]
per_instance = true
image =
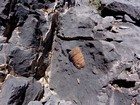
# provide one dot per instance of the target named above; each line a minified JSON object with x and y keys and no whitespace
{"x":77,"y":57}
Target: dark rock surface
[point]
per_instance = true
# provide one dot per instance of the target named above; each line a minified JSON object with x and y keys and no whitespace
{"x":121,"y":7}
{"x":106,"y":55}
{"x":36,"y":37}
{"x":33,"y":92}
{"x":13,"y":91}
{"x":20,"y":90}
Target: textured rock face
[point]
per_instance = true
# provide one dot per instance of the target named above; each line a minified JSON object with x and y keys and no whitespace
{"x":106,"y":58}
{"x":15,"y":89}
{"x":121,"y":7}
{"x":65,"y":53}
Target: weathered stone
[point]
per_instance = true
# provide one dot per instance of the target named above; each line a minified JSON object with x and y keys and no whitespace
{"x":105,"y":23}
{"x":54,"y":100}
{"x":128,"y":19}
{"x":63,"y":102}
{"x":3,"y":8}
{"x":122,"y":7}
{"x":33,"y":92}
{"x":98,"y":63}
{"x":2,"y":39}
{"x":20,"y":91}
{"x":83,"y":23}
{"x":27,"y":41}
{"x":26,"y":36}
{"x":39,"y":36}
{"x":136,"y":100}
{"x":21,"y":61}
{"x":13,"y":90}
{"x":116,"y":97}
{"x":21,"y":13}
{"x":106,"y":55}
{"x":35,"y":103}
{"x":105,"y":2}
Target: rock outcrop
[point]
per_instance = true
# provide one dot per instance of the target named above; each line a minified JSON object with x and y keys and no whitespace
{"x":66,"y":52}
{"x":122,"y":7}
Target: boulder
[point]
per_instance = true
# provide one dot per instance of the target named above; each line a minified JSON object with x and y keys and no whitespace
{"x":122,"y":7}
{"x":21,"y":91}
{"x":33,"y":92}
{"x":13,"y":91}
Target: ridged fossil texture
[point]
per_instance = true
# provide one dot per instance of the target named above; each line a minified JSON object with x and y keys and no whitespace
{"x":77,"y":57}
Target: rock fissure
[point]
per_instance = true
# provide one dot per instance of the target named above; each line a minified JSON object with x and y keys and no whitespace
{"x":124,"y":83}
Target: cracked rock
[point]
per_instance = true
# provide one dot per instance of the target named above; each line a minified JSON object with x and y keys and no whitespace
{"x":19,"y":90}
{"x":122,"y":7}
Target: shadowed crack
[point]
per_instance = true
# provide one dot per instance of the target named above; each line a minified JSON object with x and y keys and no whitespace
{"x":75,"y":38}
{"x":124,"y":83}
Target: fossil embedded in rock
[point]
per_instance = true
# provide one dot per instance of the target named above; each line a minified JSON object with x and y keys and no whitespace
{"x":77,"y":57}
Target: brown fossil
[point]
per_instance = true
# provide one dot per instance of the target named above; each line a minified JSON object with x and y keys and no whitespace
{"x":77,"y":57}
